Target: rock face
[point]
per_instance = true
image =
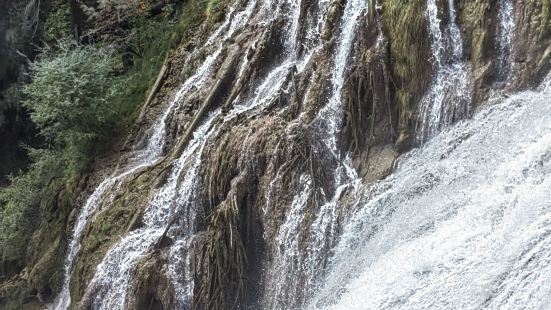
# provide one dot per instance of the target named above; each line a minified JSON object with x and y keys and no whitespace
{"x":270,"y":119}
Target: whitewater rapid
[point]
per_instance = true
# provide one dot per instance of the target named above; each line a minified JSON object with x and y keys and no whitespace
{"x":462,"y":223}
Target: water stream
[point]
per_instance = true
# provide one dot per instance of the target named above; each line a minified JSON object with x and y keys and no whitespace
{"x":113,"y":275}
{"x":290,"y":261}
{"x":462,"y":223}
{"x":448,"y":98}
{"x":506,"y":28}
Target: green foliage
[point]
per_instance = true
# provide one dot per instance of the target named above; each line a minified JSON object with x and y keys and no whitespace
{"x":57,"y":24}
{"x":215,"y":10}
{"x":19,"y":203}
{"x":151,"y":40}
{"x":71,"y":99}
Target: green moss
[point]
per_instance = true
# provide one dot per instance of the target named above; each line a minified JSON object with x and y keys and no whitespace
{"x":476,"y":18}
{"x":215,"y":10}
{"x":409,"y":43}
{"x":106,"y":227}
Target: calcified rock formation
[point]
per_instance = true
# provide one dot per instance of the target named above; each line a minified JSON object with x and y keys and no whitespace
{"x":261,"y":147}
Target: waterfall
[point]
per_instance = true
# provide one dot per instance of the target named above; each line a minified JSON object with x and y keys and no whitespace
{"x":290,"y":261}
{"x":506,"y":27}
{"x":452,"y":227}
{"x":463,"y":223}
{"x":448,"y":98}
{"x":111,"y":280}
{"x":141,"y":160}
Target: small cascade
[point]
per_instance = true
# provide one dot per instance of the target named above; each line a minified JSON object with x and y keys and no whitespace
{"x":63,"y":301}
{"x":462,"y":223}
{"x":290,"y":260}
{"x":141,"y":160}
{"x":332,"y":112}
{"x":506,"y":28}
{"x":110,"y":284}
{"x":448,"y":98}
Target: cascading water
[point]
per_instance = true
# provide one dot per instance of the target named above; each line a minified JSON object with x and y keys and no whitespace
{"x":289,"y":259}
{"x":400,"y":241}
{"x":506,"y":29}
{"x":144,"y":158}
{"x":110,"y":283}
{"x":462,"y":223}
{"x":448,"y":98}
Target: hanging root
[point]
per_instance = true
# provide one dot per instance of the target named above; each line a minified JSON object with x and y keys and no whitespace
{"x":220,"y":280}
{"x":368,"y":112}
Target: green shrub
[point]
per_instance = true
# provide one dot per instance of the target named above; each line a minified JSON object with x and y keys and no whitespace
{"x":71,"y":100}
{"x":58,"y":22}
{"x":19,"y":203}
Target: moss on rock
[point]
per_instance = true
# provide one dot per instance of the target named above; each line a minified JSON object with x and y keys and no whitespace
{"x":409,"y":43}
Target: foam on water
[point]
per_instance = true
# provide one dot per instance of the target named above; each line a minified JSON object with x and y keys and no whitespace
{"x":463,"y":223}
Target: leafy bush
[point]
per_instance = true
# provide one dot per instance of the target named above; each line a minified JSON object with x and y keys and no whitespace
{"x":71,"y":99}
{"x":57,"y":24}
{"x":19,"y":203}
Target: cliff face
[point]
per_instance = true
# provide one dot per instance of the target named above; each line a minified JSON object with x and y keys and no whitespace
{"x":258,"y":108}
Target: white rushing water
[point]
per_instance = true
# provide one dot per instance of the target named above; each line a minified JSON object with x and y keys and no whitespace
{"x":463,"y":223}
{"x":290,"y":261}
{"x":110,"y":284}
{"x":506,"y":28}
{"x":113,"y":275}
{"x":448,"y":98}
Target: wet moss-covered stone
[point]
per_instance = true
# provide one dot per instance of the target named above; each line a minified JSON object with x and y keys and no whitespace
{"x":478,"y":21}
{"x":409,"y":43}
{"x":532,"y":42}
